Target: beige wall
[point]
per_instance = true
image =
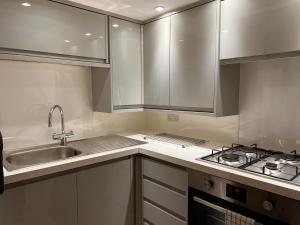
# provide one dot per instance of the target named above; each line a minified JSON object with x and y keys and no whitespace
{"x":27,"y":92}
{"x":269,"y":110}
{"x":269,"y":107}
{"x":270,"y":104}
{"x":222,"y":130}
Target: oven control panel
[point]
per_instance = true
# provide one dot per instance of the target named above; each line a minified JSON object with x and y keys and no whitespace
{"x":236,"y":193}
{"x":257,"y":200}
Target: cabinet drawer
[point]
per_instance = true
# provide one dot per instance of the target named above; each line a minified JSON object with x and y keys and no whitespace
{"x":156,"y":216}
{"x":171,"y":200}
{"x":166,"y":174}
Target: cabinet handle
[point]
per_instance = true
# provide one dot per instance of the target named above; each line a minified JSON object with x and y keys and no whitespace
{"x":208,"y":204}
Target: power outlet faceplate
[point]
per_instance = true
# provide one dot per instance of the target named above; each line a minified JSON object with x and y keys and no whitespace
{"x":173,"y":117}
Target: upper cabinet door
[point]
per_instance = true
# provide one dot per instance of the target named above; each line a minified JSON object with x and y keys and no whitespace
{"x":259,"y":27}
{"x":126,"y":55}
{"x":50,"y":27}
{"x":193,"y":58}
{"x":156,"y":62}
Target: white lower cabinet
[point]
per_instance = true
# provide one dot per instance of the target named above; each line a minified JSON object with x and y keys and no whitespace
{"x":48,"y":202}
{"x":94,"y":196}
{"x":105,"y":194}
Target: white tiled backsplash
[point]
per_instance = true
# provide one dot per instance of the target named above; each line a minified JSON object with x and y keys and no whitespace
{"x":269,"y":107}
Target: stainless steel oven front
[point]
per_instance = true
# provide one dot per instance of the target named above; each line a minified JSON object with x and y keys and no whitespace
{"x":211,"y":198}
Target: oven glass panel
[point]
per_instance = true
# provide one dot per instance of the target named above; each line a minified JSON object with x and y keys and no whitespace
{"x":205,"y":215}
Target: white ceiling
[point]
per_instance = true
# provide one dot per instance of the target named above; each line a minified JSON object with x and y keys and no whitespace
{"x":136,"y":9}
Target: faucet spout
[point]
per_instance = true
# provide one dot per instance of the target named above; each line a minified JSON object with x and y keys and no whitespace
{"x":61,"y":116}
{"x":62,"y":136}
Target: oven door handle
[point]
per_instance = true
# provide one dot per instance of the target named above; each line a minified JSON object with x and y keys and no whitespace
{"x":208,"y":204}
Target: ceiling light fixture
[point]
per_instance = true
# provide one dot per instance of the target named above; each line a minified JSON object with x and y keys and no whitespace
{"x":159,"y":8}
{"x":88,"y":34}
{"x":115,"y":25}
{"x":26,"y":4}
{"x":67,"y":41}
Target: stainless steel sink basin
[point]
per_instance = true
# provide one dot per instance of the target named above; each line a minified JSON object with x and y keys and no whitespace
{"x":35,"y":156}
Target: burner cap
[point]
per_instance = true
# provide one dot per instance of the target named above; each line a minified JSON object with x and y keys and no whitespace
{"x":291,"y":158}
{"x":230,"y":157}
{"x":251,"y":154}
{"x":271,"y":166}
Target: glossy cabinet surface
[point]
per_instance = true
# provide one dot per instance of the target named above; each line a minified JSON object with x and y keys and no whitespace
{"x":155,"y":215}
{"x":126,"y":61}
{"x":53,"y":201}
{"x":164,"y":190}
{"x":50,"y":27}
{"x":165,"y":173}
{"x":193,"y":58}
{"x":156,"y":62}
{"x":256,"y":27}
{"x":105,"y":194}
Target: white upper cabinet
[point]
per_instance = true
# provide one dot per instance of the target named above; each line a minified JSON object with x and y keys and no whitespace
{"x":181,"y":64}
{"x":193,"y":64}
{"x":126,"y":62}
{"x":259,"y":27}
{"x":52,"y":28}
{"x":156,"y":62}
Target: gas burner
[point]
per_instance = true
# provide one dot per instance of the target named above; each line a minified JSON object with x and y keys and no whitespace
{"x":251,"y":154}
{"x":260,"y":161}
{"x":237,"y":156}
{"x":230,"y":157}
{"x":291,"y":159}
{"x":271,"y":166}
{"x":275,"y":166}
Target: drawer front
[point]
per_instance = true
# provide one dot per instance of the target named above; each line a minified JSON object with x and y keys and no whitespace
{"x":156,"y":216}
{"x":166,"y":174}
{"x":174,"y":202}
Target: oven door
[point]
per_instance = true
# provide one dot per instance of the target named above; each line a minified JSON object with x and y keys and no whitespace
{"x":203,"y":212}
{"x":205,"y":209}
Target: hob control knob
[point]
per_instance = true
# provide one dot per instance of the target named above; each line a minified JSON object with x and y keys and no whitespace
{"x":208,"y":184}
{"x":268,"y":206}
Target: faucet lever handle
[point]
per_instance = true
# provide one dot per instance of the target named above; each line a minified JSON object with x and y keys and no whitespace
{"x":69,"y":134}
{"x":56,"y":136}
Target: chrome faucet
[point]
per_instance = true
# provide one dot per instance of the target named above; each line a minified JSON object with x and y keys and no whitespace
{"x":63,"y":135}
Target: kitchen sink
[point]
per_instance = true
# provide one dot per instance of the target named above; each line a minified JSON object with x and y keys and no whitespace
{"x":34,"y":156}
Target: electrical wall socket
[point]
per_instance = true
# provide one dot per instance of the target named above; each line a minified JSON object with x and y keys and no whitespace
{"x":173,"y":117}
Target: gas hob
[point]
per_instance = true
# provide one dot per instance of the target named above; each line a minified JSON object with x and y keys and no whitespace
{"x":285,"y":167}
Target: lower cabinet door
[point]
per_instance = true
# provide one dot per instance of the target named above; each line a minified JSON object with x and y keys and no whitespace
{"x":105,"y":195}
{"x":49,"y":202}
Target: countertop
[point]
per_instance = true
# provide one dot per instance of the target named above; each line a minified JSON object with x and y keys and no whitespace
{"x":185,"y":157}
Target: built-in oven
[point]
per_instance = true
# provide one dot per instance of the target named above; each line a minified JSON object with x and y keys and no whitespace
{"x":218,"y":201}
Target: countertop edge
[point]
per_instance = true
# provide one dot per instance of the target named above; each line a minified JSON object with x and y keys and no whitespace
{"x":64,"y":167}
{"x":287,"y":190}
